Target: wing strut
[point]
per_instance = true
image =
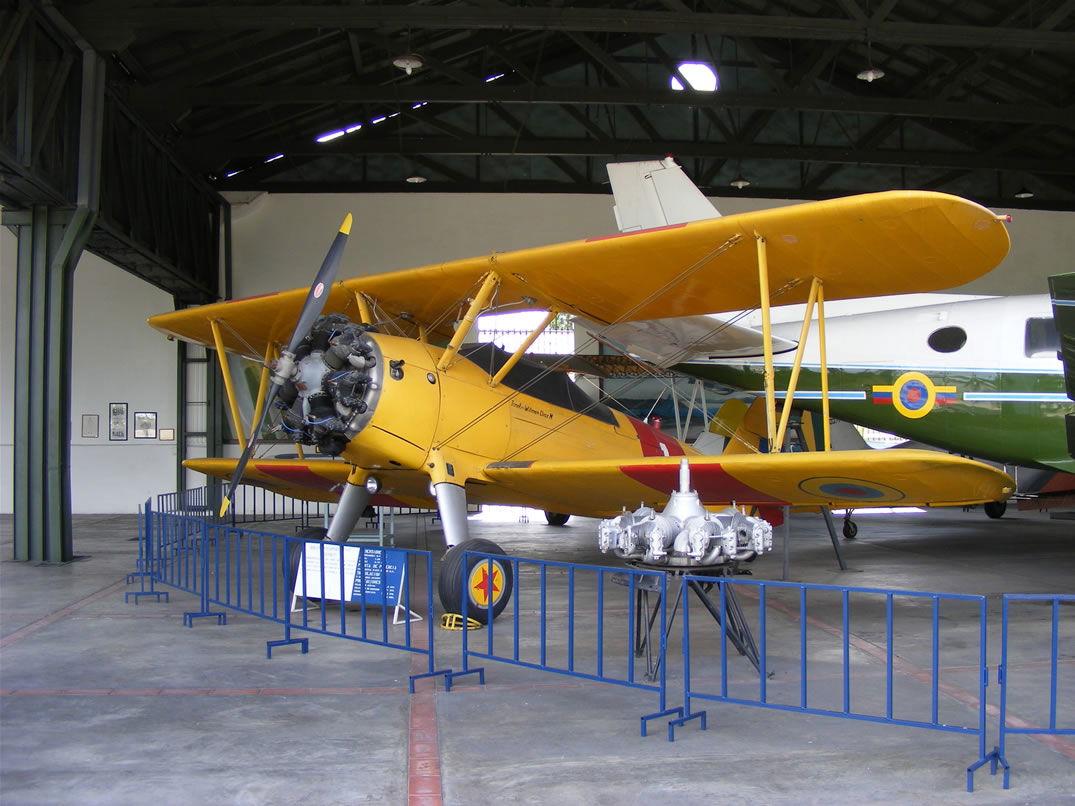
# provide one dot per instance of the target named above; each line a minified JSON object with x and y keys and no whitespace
{"x":793,"y":381}
{"x":229,"y":388}
{"x":767,"y":343}
{"x":481,"y":299}
{"x":514,"y":358}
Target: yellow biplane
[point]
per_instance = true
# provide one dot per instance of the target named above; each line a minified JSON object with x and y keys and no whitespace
{"x":374,"y":371}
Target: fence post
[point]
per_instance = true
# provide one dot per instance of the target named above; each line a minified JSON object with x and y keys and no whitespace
{"x":203,"y":548}
{"x":144,"y":563}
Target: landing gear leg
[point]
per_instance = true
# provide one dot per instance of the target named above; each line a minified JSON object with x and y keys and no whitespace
{"x":353,"y":502}
{"x":452,"y":507}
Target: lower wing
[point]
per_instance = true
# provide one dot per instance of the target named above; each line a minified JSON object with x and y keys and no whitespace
{"x":858,"y":479}
{"x":307,"y":480}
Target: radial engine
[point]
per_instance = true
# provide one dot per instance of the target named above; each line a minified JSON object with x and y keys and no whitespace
{"x":685,"y":534}
{"x":334,"y":387}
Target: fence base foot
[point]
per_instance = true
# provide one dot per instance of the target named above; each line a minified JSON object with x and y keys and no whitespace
{"x":449,"y":679}
{"x":286,"y":642}
{"x":667,"y":712}
{"x":994,"y":758}
{"x":136,"y":595}
{"x":188,"y":618}
{"x":445,"y":673}
{"x":683,"y":720}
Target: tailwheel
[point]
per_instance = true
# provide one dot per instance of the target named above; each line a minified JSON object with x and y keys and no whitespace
{"x":480,"y":581}
{"x":557,"y":518}
{"x":851,"y":529}
{"x":294,"y":556}
{"x":995,"y":509}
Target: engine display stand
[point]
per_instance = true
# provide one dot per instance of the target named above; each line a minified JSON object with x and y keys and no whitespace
{"x":732,"y":621}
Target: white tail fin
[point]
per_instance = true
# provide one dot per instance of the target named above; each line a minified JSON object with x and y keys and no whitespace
{"x":655,"y":193}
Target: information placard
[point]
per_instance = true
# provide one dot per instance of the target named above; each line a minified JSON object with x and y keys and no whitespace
{"x":340,"y":573}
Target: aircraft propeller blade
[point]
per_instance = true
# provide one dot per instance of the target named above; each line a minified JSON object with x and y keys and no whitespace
{"x":311,"y":309}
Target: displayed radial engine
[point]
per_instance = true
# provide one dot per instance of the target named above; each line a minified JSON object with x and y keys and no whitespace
{"x":685,"y":534}
{"x":333,"y":389}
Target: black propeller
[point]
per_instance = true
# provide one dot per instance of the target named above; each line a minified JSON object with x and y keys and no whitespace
{"x":285,"y":365}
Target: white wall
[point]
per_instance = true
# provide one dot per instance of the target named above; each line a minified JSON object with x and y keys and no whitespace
{"x":115,"y":358}
{"x":279,"y":242}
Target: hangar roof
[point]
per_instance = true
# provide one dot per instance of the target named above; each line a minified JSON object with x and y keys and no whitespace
{"x":537,"y":95}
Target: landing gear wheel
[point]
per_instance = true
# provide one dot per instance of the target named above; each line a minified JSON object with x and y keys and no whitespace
{"x":474,"y":581}
{"x":294,"y":554}
{"x":995,"y":509}
{"x":851,"y":529}
{"x":556,"y":518}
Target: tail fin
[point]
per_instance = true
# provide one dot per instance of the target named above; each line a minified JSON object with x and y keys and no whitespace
{"x":655,"y":193}
{"x":1062,"y":290}
{"x":721,"y":428}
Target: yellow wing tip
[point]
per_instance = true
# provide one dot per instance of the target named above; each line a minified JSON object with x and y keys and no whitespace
{"x":224,"y":506}
{"x":345,"y":227}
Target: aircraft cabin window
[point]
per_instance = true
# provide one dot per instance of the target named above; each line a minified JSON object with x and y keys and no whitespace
{"x":1041,"y":337}
{"x":947,"y":339}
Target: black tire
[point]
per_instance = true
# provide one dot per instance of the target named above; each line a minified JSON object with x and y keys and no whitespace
{"x":294,"y":555}
{"x":452,"y":581}
{"x":851,"y":530}
{"x":557,"y":518}
{"x":995,"y":509}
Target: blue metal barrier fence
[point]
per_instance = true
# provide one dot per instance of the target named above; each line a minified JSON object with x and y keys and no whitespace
{"x":1024,"y":680}
{"x":330,"y":589}
{"x":614,"y":611}
{"x":783,"y":609}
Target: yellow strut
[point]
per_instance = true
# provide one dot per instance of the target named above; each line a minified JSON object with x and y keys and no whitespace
{"x":233,"y":403}
{"x":767,"y":339}
{"x":363,"y":308}
{"x":793,"y":381}
{"x":514,"y":359}
{"x":480,"y":300}
{"x":827,"y":446}
{"x":263,"y":384}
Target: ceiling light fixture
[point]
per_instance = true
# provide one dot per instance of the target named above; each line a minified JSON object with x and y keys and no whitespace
{"x":1024,"y":193}
{"x":408,"y":62}
{"x":416,"y":179}
{"x":699,"y":76}
{"x":871,"y":73}
{"x":740,"y":182}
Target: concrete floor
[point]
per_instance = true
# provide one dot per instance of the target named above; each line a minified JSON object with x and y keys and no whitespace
{"x":112,"y":703}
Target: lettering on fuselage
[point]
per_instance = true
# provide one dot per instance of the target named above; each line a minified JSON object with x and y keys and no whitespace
{"x":531,"y":410}
{"x":914,"y":395}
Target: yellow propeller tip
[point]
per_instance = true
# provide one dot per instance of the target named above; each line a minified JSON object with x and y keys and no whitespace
{"x":224,"y":507}
{"x":345,"y":227}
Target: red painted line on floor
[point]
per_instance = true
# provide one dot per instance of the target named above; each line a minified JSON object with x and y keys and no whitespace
{"x":424,"y":785}
{"x":198,"y":692}
{"x":34,"y":626}
{"x":923,"y":675}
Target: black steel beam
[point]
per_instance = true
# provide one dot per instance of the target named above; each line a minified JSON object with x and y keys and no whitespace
{"x":544,"y":147}
{"x":116,"y":20}
{"x":496,"y":92}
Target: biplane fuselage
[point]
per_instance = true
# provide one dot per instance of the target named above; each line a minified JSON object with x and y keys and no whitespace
{"x":473,"y":424}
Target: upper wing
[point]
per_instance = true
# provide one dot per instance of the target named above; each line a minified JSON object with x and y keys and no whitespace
{"x":837,"y":479}
{"x":880,"y":243}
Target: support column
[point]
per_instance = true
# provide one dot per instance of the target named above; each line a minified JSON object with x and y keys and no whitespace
{"x":50,"y":243}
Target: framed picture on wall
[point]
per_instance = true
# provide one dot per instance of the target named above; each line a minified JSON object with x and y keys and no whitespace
{"x":166,"y":434}
{"x":117,"y":421}
{"x":145,"y":425}
{"x":91,"y":426}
